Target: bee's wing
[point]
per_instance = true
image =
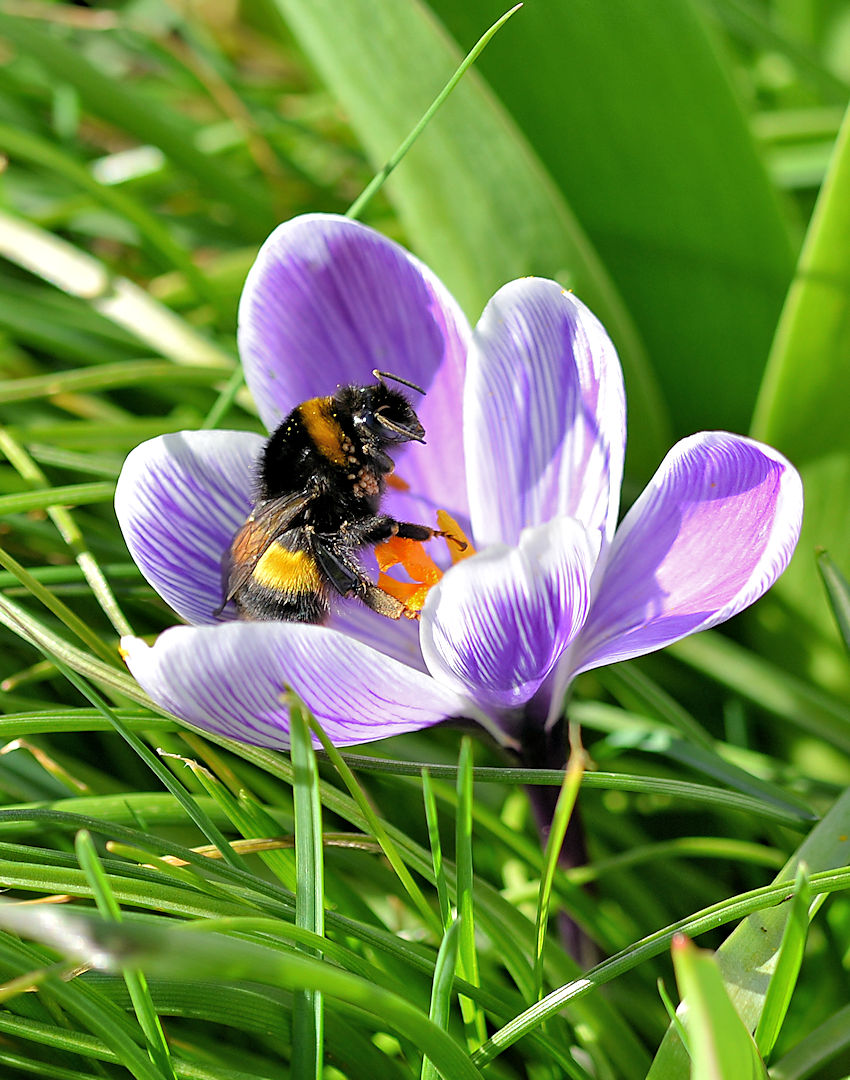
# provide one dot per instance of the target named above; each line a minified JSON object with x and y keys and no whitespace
{"x":255,"y":537}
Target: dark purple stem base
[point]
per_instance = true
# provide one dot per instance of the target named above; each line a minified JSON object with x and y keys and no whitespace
{"x":547,"y":750}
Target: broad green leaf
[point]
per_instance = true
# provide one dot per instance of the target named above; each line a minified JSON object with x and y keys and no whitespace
{"x":475,"y":200}
{"x":721,"y":1047}
{"x":802,"y":408}
{"x":630,"y":107}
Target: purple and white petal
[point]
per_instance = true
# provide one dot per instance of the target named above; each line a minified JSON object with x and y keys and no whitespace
{"x":328,"y":300}
{"x":496,"y":623}
{"x":233,"y":679}
{"x":396,"y":638}
{"x":714,"y":529}
{"x":179,"y":501}
{"x":544,"y":414}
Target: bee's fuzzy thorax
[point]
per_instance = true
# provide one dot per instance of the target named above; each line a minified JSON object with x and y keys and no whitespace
{"x":318,"y":488}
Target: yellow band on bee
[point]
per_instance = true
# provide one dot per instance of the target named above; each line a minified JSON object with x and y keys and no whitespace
{"x":288,"y":571}
{"x":324,"y":431}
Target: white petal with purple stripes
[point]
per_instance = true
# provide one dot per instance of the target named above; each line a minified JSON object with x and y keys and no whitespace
{"x":544,"y":414}
{"x":180,"y":499}
{"x":233,"y":679}
{"x":716,"y":526}
{"x":496,"y":624}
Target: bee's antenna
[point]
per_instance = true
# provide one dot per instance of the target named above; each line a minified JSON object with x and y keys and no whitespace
{"x":381,"y":375}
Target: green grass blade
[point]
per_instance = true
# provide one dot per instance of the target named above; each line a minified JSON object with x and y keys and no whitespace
{"x":30,"y":147}
{"x":68,"y":529}
{"x":224,"y":401}
{"x":432,"y":819}
{"x":788,"y":962}
{"x":554,"y":842}
{"x":136,"y":983}
{"x":467,"y":952}
{"x":635,"y":690}
{"x":36,"y":633}
{"x":769,"y":685}
{"x":377,"y":182}
{"x":82,"y":720}
{"x":670,"y":1009}
{"x":105,"y":377}
{"x":788,"y":811}
{"x":69,"y":495}
{"x":74,"y":623}
{"x":812,"y":1054}
{"x":118,"y":102}
{"x":308,"y":1011}
{"x":119,"y":299}
{"x":762,"y":901}
{"x":250,"y":819}
{"x":441,"y":990}
{"x":838,"y":591}
{"x":204,"y":823}
{"x":376,"y":828}
{"x":84,"y":1005}
{"x":628,"y":731}
{"x":749,"y":954}
{"x":721,"y":1047}
{"x":174,"y":952}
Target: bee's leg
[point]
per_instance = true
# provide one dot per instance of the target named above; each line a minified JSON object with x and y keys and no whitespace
{"x":349,"y":580}
{"x":344,"y":577}
{"x":382,"y":527}
{"x":408,"y":531}
{"x":383,"y":603}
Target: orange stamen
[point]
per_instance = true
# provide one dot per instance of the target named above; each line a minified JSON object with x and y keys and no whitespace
{"x":413,"y":596}
{"x":457,"y":550}
{"x":412,"y":557}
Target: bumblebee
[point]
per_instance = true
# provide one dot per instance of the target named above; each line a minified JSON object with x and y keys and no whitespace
{"x":320,"y":479}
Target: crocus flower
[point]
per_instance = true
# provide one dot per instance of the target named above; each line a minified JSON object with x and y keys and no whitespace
{"x":525,"y":422}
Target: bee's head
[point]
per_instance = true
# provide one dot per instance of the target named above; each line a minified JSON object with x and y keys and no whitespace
{"x":384,"y":413}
